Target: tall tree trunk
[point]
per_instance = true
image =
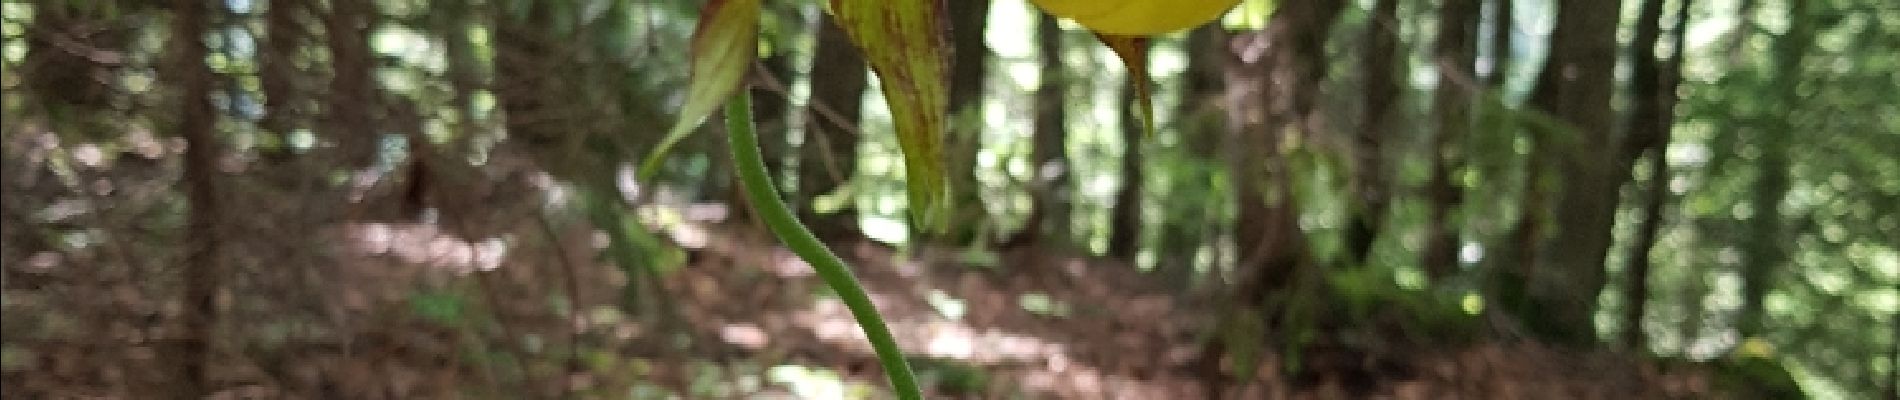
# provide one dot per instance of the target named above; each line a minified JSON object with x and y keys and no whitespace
{"x":524,"y":67}
{"x":1893,"y":356}
{"x":829,"y":155}
{"x":1575,"y":88}
{"x":352,"y":100}
{"x":1124,"y":238}
{"x":968,"y":18}
{"x":1454,"y":54}
{"x":1767,"y":238}
{"x":277,"y":72}
{"x":1502,"y":16}
{"x":1270,"y":94}
{"x":1653,"y":85}
{"x":1185,"y":228}
{"x":770,"y":110}
{"x":1049,"y":192}
{"x":203,"y":262}
{"x":1381,"y":92}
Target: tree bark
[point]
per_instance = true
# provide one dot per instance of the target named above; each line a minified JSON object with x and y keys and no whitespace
{"x":968,"y":66}
{"x":1183,"y":231}
{"x":1455,"y":53}
{"x":1273,"y":78}
{"x":1575,"y":88}
{"x":1502,"y":25}
{"x":1767,"y":252}
{"x":769,"y":112}
{"x":1270,"y":95}
{"x":1124,"y":238}
{"x":352,"y":100}
{"x":203,"y":263}
{"x":1050,"y":190}
{"x":1653,"y":84}
{"x":1893,"y":357}
{"x":277,"y":71}
{"x":829,"y":155}
{"x":1380,"y":94}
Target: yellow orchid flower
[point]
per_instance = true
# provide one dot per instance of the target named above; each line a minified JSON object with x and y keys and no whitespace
{"x":1137,"y":17}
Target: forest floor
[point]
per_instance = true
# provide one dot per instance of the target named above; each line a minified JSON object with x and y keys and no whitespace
{"x":1026,"y":323}
{"x":1044,"y":324}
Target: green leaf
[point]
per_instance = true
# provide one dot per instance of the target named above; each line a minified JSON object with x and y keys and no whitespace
{"x":903,"y":41}
{"x":1133,"y":50}
{"x":725,"y":43}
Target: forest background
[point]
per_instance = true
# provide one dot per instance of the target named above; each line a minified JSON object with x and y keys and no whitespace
{"x":1465,"y":198}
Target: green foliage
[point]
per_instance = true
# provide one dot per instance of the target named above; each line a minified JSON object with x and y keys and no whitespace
{"x":640,"y":256}
{"x":1371,"y":299}
{"x":441,"y":307}
{"x":951,"y":377}
{"x":1756,"y":377}
{"x":725,"y":44}
{"x":1240,"y":334}
{"x":903,"y":42}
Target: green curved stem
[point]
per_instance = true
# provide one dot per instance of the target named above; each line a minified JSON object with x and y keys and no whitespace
{"x":778,"y":217}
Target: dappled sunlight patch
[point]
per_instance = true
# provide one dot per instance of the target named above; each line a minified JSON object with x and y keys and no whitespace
{"x":787,"y":266}
{"x":817,"y":383}
{"x":748,"y":336}
{"x":688,"y":235}
{"x":934,"y":337}
{"x":426,"y":244}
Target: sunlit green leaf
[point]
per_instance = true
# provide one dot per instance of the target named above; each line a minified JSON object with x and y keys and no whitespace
{"x":725,"y":43}
{"x":903,"y":41}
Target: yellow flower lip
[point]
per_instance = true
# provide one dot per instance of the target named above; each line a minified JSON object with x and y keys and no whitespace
{"x":1137,"y":17}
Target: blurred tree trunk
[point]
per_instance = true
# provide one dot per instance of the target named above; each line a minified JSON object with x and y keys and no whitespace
{"x":1271,"y":95}
{"x":1454,"y":58}
{"x":1575,"y":88}
{"x":1273,"y":78}
{"x":1501,"y":29}
{"x":1124,"y":238}
{"x":1187,"y":225}
{"x":968,"y":65}
{"x":525,"y":87}
{"x":1049,"y":189}
{"x":1382,"y":91}
{"x":1893,"y":356}
{"x":350,"y":107}
{"x":203,"y":262}
{"x":1767,"y":237}
{"x":829,"y":155}
{"x":1653,"y":88}
{"x":770,"y":111}
{"x":277,"y":73}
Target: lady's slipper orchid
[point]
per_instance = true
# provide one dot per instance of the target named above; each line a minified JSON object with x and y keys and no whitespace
{"x":1137,"y":17}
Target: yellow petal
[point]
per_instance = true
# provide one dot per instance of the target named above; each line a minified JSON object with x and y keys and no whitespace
{"x":1137,"y":17}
